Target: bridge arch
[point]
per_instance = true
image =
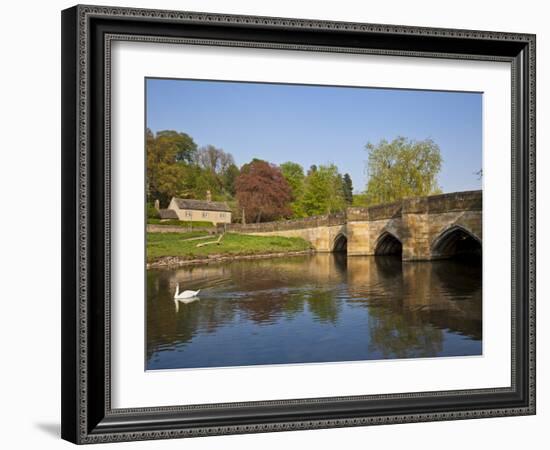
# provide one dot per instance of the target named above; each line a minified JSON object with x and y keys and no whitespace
{"x":340,"y":243}
{"x":456,"y":240}
{"x":388,"y":244}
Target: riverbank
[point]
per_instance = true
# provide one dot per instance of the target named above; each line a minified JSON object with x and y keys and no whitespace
{"x":178,"y":249}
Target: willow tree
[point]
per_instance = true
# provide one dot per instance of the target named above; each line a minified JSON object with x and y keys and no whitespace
{"x":402,"y":168}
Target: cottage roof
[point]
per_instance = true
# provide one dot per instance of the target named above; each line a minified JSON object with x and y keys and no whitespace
{"x":167,"y":214}
{"x":201,"y":205}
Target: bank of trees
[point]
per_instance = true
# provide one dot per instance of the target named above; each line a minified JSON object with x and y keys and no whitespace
{"x":177,"y":167}
{"x":260,"y":191}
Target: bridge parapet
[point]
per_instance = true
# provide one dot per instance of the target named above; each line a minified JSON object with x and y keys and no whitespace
{"x":377,"y":212}
{"x":283,"y":225}
{"x":436,"y":204}
{"x":417,"y":225}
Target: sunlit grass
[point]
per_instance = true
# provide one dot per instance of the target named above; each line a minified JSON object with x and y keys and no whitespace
{"x":179,"y":245}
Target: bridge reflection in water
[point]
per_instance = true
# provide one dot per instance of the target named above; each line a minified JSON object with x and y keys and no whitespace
{"x":318,"y":308}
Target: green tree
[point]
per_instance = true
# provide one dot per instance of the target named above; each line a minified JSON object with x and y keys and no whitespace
{"x":402,"y":168}
{"x":164,"y":175}
{"x":348,"y":189}
{"x":202,"y":180}
{"x":186,"y":147}
{"x":312,"y":168}
{"x":323,"y":193}
{"x":217,"y":173}
{"x":228,"y":179}
{"x":359,"y":200}
{"x":294,"y":175}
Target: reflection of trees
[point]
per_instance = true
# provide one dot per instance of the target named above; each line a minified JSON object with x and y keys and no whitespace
{"x":168,"y":327}
{"x":402,"y":335}
{"x":395,"y":330}
{"x":324,"y":306}
{"x":268,"y":290}
{"x":294,"y":304}
{"x":408,"y":304}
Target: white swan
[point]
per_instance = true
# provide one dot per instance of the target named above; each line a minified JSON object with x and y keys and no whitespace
{"x":185,"y":294}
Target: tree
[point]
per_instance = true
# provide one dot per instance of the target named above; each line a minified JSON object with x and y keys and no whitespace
{"x":359,"y":200}
{"x":262,"y":192}
{"x":217,"y":172}
{"x":186,"y":147}
{"x":402,"y":168}
{"x":312,"y":168}
{"x":228,"y":179}
{"x":214,"y":159}
{"x":294,"y":175}
{"x":164,"y":175}
{"x":348,"y":189}
{"x":323,"y":193}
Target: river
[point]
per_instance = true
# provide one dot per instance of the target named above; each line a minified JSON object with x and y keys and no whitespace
{"x":314,"y":308}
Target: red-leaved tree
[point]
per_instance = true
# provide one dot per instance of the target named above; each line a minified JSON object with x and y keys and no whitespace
{"x":263,"y":192}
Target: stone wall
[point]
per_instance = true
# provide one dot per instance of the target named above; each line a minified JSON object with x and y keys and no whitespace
{"x":295,"y":224}
{"x":154,"y":228}
{"x":322,"y":238}
{"x":416,"y":223}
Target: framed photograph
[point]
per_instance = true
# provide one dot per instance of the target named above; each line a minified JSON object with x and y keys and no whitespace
{"x":278,"y":224}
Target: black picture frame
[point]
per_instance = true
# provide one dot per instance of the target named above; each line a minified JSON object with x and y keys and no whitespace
{"x":87,"y":416}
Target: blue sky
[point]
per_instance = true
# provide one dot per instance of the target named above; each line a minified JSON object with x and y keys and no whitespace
{"x":321,"y":124}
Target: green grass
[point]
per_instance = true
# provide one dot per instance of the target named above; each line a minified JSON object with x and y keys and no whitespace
{"x":180,"y":223}
{"x":174,"y":244}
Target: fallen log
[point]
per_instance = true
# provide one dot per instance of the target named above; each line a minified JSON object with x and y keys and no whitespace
{"x":217,"y":242}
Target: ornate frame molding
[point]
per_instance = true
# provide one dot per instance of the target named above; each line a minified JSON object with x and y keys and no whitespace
{"x":85,"y":421}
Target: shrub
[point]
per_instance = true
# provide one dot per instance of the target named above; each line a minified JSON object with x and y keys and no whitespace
{"x":152,"y":213}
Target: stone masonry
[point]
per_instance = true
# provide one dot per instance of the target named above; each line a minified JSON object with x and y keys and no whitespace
{"x":419,"y":225}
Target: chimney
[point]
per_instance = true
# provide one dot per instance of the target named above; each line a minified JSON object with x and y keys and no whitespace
{"x":157,"y":205}
{"x":208,"y":196}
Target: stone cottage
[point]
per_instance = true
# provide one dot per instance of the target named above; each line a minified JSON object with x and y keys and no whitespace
{"x":191,"y":210}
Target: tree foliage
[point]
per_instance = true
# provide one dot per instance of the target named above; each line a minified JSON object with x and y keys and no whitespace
{"x":214,"y":159}
{"x":165,"y":177}
{"x":175,"y":167}
{"x":348,"y":189}
{"x":228,"y":179}
{"x":216,"y":172}
{"x":294,"y":175}
{"x":186,"y":147}
{"x":263,"y":192}
{"x":402,"y":168}
{"x":323,"y":191}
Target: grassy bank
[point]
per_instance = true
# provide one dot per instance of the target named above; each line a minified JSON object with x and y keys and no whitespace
{"x":179,"y":245}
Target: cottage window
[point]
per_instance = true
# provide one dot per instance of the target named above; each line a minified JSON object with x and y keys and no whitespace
{"x":204,"y":214}
{"x":188,"y":214}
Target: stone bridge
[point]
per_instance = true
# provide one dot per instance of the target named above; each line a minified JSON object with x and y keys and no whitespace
{"x":420,"y":228}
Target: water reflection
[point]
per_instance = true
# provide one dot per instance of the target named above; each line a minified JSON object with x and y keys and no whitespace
{"x":319,"y":308}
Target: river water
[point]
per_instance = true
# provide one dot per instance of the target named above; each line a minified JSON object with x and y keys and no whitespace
{"x":315,"y":308}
